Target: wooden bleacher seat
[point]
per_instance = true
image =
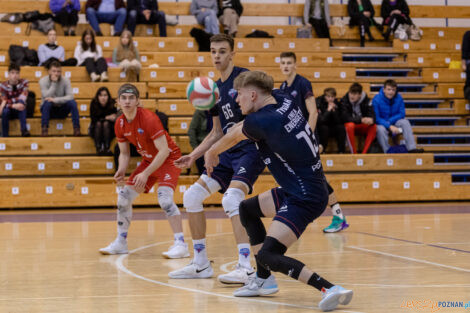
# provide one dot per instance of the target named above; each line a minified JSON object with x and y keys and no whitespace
{"x":442,"y":75}
{"x":425,"y":59}
{"x":429,"y":45}
{"x":88,"y":90}
{"x":31,"y":146}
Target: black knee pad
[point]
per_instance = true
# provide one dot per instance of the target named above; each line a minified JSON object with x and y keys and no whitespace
{"x":270,"y":253}
{"x":330,"y":189}
{"x":250,"y":218}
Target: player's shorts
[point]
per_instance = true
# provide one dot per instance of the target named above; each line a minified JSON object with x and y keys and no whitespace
{"x":297,"y":213}
{"x":242,"y":164}
{"x":165,"y":175}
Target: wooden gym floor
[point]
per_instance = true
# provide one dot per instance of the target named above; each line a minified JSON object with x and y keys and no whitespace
{"x":396,"y":258}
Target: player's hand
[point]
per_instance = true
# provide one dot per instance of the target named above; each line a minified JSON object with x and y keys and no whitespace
{"x":185,"y":161}
{"x":394,"y":130}
{"x":211,"y":160}
{"x":140,"y":180}
{"x":119,"y":176}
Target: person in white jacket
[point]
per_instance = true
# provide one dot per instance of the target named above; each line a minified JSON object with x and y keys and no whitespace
{"x":90,"y":55}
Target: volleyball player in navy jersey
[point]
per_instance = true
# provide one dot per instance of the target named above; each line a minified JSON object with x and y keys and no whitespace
{"x":288,"y":147}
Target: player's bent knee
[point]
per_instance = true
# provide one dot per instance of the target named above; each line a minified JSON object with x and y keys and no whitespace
{"x":231,"y":201}
{"x":165,"y":199}
{"x":194,"y":197}
{"x":270,"y":253}
{"x":126,"y":196}
{"x":249,"y":208}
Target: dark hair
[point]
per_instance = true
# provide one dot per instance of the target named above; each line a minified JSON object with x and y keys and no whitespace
{"x":257,"y":79}
{"x":13,"y":67}
{"x":391,"y":83}
{"x":222,"y":38}
{"x":330,"y":91}
{"x":54,"y":63}
{"x":355,"y":88}
{"x":93,"y":42}
{"x":289,"y":54}
{"x":95,"y":102}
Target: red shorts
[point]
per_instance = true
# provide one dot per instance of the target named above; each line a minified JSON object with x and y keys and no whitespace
{"x":166,"y":175}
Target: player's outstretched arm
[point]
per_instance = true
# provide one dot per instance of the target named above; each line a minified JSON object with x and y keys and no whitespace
{"x":215,"y":134}
{"x":234,"y":136}
{"x":312,"y":112}
{"x":124,"y":157}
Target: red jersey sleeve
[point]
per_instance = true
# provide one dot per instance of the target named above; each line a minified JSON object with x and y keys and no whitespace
{"x":119,"y":129}
{"x":154,"y":126}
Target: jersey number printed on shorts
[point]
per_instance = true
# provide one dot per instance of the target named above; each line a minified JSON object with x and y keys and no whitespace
{"x":227,"y":111}
{"x":311,"y":142}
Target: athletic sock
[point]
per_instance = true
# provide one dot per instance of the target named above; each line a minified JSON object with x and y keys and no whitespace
{"x":179,"y":237}
{"x":336,"y":211}
{"x":319,"y":283}
{"x":200,"y":253}
{"x":244,"y":255}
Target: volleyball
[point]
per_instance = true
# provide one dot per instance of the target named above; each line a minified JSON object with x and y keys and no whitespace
{"x":202,"y":93}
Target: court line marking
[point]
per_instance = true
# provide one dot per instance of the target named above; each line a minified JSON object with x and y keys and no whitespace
{"x":410,"y":259}
{"x":120,"y":266}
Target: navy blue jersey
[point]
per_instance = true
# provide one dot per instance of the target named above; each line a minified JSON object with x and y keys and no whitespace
{"x":287,"y":146}
{"x":300,"y":90}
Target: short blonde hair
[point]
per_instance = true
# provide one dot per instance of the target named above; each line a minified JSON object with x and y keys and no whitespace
{"x":257,"y":79}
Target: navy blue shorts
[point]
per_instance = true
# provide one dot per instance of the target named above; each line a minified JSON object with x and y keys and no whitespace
{"x":297,"y":213}
{"x":243,"y":164}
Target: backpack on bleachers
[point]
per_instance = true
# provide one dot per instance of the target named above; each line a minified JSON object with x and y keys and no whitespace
{"x":415,"y":33}
{"x":23,"y":56}
{"x":30,"y":104}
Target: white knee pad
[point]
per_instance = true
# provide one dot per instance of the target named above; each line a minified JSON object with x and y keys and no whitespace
{"x":193,"y":198}
{"x":165,"y":199}
{"x":126,"y":196}
{"x":231,"y":201}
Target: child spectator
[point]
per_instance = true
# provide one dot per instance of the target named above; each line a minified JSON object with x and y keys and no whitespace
{"x":57,"y":97}
{"x":106,"y":11}
{"x":66,"y":14}
{"x":90,"y":55}
{"x":358,"y":117}
{"x":103,"y":114}
{"x":394,"y":13}
{"x":361,"y":14}
{"x":229,"y":15}
{"x":317,"y":15}
{"x":205,"y":12}
{"x":14,"y":92}
{"x":145,"y":12}
{"x":52,"y":52}
{"x":389,"y":109}
{"x":329,"y":119}
{"x":126,"y":56}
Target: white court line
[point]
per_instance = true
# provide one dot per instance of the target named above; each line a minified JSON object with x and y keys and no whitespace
{"x":411,"y":259}
{"x":120,"y":266}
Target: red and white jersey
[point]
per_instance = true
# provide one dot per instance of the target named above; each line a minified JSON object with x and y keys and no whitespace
{"x":142,"y":131}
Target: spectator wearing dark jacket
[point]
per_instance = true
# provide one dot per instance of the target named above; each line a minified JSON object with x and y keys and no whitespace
{"x":145,"y":12}
{"x":358,"y":116}
{"x":103,"y":115}
{"x":106,"y":11}
{"x":361,"y":13}
{"x":229,"y":15}
{"x":466,"y":62}
{"x":329,"y":122}
{"x":394,"y":13}
{"x":66,"y":14}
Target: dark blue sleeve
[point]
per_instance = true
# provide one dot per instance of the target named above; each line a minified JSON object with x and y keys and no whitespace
{"x":252,"y":128}
{"x":214,"y":111}
{"x":306,"y":89}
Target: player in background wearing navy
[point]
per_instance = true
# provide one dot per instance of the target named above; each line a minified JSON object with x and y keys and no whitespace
{"x":238,"y":170}
{"x":300,"y":89}
{"x":288,"y":147}
{"x":145,"y":131}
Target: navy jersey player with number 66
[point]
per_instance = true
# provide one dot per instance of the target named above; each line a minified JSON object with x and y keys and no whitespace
{"x":289,"y":149}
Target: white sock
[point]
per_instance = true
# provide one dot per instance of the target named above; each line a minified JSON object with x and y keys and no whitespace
{"x":179,"y":237}
{"x":200,"y":252}
{"x":244,"y":254}
{"x":336,"y":211}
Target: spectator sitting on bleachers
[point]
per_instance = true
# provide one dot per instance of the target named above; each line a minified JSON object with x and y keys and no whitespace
{"x":205,"y":12}
{"x":358,"y":117}
{"x":14,"y":92}
{"x":103,"y":114}
{"x":389,"y":109}
{"x":57,"y":97}
{"x":329,"y":119}
{"x":106,"y":11}
{"x":361,"y":14}
{"x":126,"y":56}
{"x":199,"y":128}
{"x":466,"y":63}
{"x":90,"y":55}
{"x":229,"y":15}
{"x":394,"y":13}
{"x":317,"y":15}
{"x":145,"y":12}
{"x":52,"y":52}
{"x":66,"y":14}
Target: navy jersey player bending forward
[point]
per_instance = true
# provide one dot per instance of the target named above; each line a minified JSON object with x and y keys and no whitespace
{"x":287,"y":145}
